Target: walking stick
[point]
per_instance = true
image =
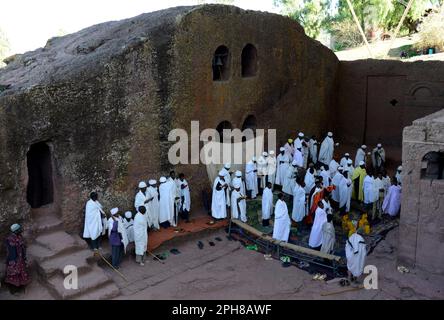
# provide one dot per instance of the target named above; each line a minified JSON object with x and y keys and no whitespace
{"x":120,"y":274}
{"x":155,"y":257}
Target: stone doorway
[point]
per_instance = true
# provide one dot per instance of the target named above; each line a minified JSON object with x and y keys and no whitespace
{"x":40,"y":189}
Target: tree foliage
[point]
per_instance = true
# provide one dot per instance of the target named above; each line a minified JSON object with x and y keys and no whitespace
{"x":431,"y":34}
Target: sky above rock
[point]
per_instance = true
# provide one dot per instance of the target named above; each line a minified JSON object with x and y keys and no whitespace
{"x":28,"y":24}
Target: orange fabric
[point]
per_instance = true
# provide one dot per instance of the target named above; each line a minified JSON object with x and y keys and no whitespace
{"x":156,"y":238}
{"x":317,"y":197}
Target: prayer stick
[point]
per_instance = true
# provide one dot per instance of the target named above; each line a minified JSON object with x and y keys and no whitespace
{"x":341,"y":291}
{"x":112,"y":266}
{"x":156,"y":257}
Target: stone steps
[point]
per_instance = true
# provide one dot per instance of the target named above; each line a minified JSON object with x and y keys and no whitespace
{"x":81,"y":259}
{"x":46,"y":223}
{"x":53,"y":249}
{"x":88,"y":282}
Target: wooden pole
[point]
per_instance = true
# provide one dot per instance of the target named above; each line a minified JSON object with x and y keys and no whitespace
{"x":360,"y":28}
{"x":398,"y":27}
{"x":112,"y":266}
{"x":341,"y":291}
{"x":156,"y":257}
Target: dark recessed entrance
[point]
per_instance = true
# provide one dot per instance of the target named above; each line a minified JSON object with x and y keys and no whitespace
{"x":40,"y":184}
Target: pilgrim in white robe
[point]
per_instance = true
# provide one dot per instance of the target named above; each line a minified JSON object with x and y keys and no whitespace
{"x":218,"y":203}
{"x":333,"y":168}
{"x":356,"y":252}
{"x":251,"y":179}
{"x":166,"y":202}
{"x":349,"y":194}
{"x":262,"y":171}
{"x":298,"y":158}
{"x":227,"y":178}
{"x":238,"y":208}
{"x":328,"y":237}
{"x":140,"y":200}
{"x":378,"y":157}
{"x":129,"y":226}
{"x":93,"y":220}
{"x":299,"y":209}
{"x":343,"y":162}
{"x":271,"y":170}
{"x":140,"y":233}
{"x":267,"y":203}
{"x":344,"y":192}
{"x":241,"y":182}
{"x":369,"y":190}
{"x":392,"y":202}
{"x":185,"y":198}
{"x":289,"y":150}
{"x":283,"y":162}
{"x":326,"y":180}
{"x":335,"y":182}
{"x":289,"y":180}
{"x":309,"y":181}
{"x":360,"y":156}
{"x":326,"y":151}
{"x":315,"y":239}
{"x":152,"y":207}
{"x":313,"y":149}
{"x":282,"y":222}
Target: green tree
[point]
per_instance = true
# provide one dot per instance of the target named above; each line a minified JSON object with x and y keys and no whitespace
{"x":4,"y":47}
{"x":311,"y":14}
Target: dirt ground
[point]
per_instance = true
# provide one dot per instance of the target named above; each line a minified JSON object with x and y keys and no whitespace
{"x":227,"y":270}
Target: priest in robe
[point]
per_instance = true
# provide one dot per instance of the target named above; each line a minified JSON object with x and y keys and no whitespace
{"x":267,"y":204}
{"x":141,"y":235}
{"x":344,"y":160}
{"x":325,"y":174}
{"x":128,"y":223}
{"x":369,"y":191}
{"x":328,"y":236}
{"x":283,"y":162}
{"x":309,"y":179}
{"x":289,"y":149}
{"x":262,"y":171}
{"x":327,"y":149}
{"x":392,"y":202}
{"x":289,"y":179}
{"x":219,"y":201}
{"x":271,"y":168}
{"x":185,"y":199}
{"x":299,"y":209}
{"x":166,"y":203}
{"x":282,"y":222}
{"x":378,"y":158}
{"x":356,"y":253}
{"x":358,"y":181}
{"x":315,"y":239}
{"x":238,"y":204}
{"x":349,"y":168}
{"x":238,"y":178}
{"x":227,"y":178}
{"x":93,"y":221}
{"x":118,"y":238}
{"x":360,"y":155}
{"x":142,"y":199}
{"x":335,"y":182}
{"x":153,"y":205}
{"x":251,"y":178}
{"x":313,"y":149}
{"x":344,"y":193}
{"x":175,"y":195}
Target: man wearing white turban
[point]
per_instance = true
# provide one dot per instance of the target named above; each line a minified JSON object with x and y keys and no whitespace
{"x":251,"y":178}
{"x":128,"y":223}
{"x":355,"y":252}
{"x":271,"y":168}
{"x":153,"y":205}
{"x":219,"y":201}
{"x":238,"y":203}
{"x":141,"y":235}
{"x":166,"y":203}
{"x":238,"y":178}
{"x":282,"y":222}
{"x":283,"y":162}
{"x":360,"y":155}
{"x":327,"y":149}
{"x":117,"y":237}
{"x":267,"y":204}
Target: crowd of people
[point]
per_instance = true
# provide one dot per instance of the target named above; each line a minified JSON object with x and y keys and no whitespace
{"x":316,"y":187}
{"x":155,"y":206}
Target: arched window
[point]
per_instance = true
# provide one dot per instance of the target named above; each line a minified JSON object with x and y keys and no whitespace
{"x":432,"y":166}
{"x":221,"y":64}
{"x":221,"y":126}
{"x":249,"y":61}
{"x":249,"y":123}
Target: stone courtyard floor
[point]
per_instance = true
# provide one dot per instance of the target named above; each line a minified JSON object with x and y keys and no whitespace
{"x":227,"y":270}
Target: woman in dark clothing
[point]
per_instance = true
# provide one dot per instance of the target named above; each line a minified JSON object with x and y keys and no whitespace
{"x":17,"y":275}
